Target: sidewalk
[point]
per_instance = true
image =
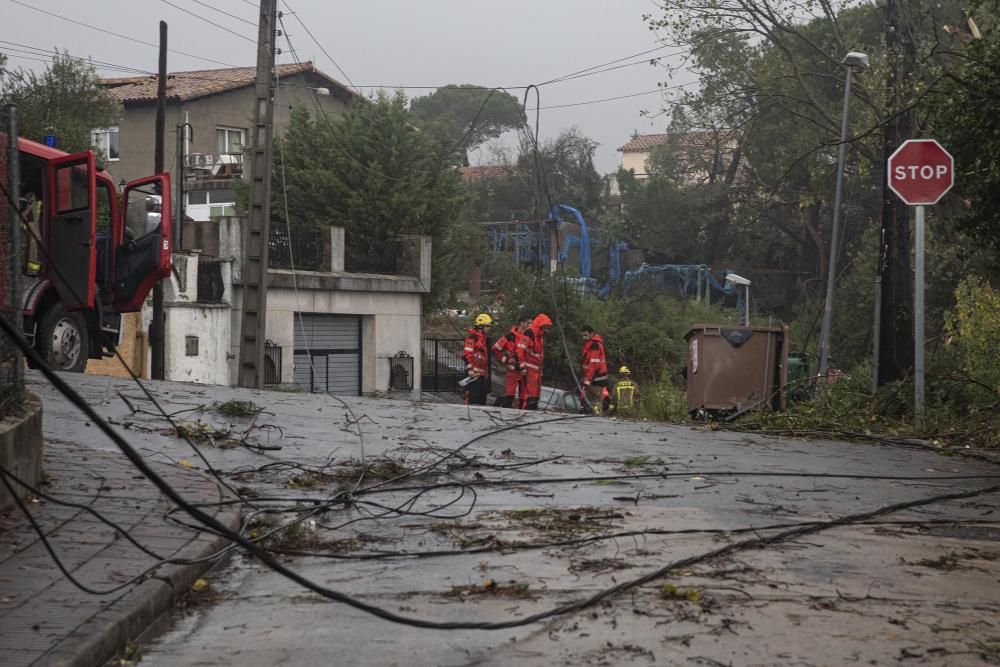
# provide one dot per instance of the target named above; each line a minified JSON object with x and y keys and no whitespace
{"x":44,"y":618}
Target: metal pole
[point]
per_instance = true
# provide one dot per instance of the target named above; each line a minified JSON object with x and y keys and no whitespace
{"x":824,"y":336}
{"x":182,"y":144}
{"x":157,"y":328}
{"x":918,"y":325}
{"x":876,"y":330}
{"x":746,"y":308}
{"x":15,"y":302}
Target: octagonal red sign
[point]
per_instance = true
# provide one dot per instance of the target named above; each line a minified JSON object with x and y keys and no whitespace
{"x":921,"y":171}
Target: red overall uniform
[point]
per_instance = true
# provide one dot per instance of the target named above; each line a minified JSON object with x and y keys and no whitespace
{"x":477,"y":361}
{"x":595,"y":371}
{"x":531,"y":354}
{"x":505,"y":351}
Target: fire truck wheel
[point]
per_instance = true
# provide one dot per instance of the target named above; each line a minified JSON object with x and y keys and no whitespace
{"x":62,"y":339}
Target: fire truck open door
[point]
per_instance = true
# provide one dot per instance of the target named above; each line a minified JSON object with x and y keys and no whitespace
{"x":143,"y":256}
{"x":72,"y":224}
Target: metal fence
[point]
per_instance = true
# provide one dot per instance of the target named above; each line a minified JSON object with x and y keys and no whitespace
{"x":11,"y":362}
{"x":363,"y":254}
{"x":401,"y":372}
{"x":301,"y":250}
{"x":272,"y":363}
{"x":442,"y":365}
{"x":211,"y":289}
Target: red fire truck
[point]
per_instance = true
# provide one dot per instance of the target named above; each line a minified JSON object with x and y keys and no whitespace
{"x":101,"y":252}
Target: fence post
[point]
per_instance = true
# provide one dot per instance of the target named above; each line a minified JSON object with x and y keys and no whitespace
{"x":333,"y":250}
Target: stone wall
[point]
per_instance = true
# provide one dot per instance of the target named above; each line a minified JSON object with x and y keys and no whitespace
{"x":21,"y":448}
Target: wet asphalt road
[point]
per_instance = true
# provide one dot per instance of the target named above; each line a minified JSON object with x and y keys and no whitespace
{"x":921,"y":589}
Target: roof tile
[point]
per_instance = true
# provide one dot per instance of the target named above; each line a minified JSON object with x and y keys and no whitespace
{"x":183,"y":86}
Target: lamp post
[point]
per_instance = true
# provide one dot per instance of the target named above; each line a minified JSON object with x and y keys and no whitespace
{"x":853,"y":60}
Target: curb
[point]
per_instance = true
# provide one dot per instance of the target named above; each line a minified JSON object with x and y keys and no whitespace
{"x":99,"y":639}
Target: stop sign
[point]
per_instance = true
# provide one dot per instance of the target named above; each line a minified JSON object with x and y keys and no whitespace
{"x":921,"y":171}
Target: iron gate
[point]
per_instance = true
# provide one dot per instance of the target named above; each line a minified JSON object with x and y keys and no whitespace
{"x":442,"y":364}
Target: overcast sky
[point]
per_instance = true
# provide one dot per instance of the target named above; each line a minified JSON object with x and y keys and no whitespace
{"x":391,"y":43}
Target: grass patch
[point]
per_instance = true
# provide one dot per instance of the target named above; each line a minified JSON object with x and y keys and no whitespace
{"x":235,"y":408}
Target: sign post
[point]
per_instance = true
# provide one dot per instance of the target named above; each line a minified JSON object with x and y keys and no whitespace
{"x":921,"y":171}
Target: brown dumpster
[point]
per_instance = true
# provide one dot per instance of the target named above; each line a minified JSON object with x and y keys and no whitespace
{"x":735,"y":369}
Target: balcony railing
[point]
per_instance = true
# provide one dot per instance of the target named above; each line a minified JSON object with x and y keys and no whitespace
{"x":363,"y":254}
{"x":303,"y":250}
{"x":214,"y":165}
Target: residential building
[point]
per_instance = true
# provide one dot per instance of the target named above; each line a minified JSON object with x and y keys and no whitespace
{"x":698,"y":157}
{"x":636,"y":153}
{"x":218,"y":106}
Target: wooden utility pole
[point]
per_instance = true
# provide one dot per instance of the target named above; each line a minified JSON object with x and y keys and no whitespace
{"x":254,"y":317}
{"x":157,"y":343}
{"x":895,"y":326}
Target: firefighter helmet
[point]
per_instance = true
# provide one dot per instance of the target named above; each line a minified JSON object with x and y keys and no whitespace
{"x":624,"y":371}
{"x":482,"y":319}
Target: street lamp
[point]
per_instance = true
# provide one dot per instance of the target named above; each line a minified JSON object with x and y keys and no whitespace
{"x":851,"y":61}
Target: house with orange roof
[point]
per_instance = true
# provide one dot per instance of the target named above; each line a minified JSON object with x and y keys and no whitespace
{"x":218,"y":105}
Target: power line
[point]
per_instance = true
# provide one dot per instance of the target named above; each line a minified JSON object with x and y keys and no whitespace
{"x":223,"y":11}
{"x":120,"y":36}
{"x":605,"y":99}
{"x":316,"y":42}
{"x":209,"y":21}
{"x":611,"y":62}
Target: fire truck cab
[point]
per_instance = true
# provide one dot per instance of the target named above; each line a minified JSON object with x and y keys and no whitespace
{"x":89,"y":253}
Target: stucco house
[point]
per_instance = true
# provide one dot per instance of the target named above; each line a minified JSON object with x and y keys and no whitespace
{"x":701,"y":156}
{"x":218,"y":105}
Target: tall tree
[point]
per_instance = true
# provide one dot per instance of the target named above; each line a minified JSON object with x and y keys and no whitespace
{"x":65,"y":99}
{"x":374,"y":173}
{"x":771,"y":70}
{"x":465,"y":116}
{"x":963,"y":116}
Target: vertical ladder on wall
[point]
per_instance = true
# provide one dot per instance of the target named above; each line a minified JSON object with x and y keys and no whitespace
{"x":254,"y":314}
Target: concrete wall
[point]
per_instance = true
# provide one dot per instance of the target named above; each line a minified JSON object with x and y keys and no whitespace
{"x":21,"y":448}
{"x":230,"y":109}
{"x":208,"y":325}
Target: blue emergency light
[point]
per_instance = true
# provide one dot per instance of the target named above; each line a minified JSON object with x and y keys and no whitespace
{"x":51,"y":140}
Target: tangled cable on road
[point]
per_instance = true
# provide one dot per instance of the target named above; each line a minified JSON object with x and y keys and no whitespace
{"x":266,"y":557}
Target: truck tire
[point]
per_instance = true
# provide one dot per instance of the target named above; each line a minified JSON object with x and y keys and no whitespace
{"x":62,"y":339}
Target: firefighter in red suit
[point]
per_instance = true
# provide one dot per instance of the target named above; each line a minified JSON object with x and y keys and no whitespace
{"x":477,"y":360}
{"x":595,"y":370}
{"x":505,"y":352}
{"x":531,"y":355}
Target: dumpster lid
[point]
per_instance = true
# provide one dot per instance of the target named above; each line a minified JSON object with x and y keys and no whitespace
{"x":717,"y":329}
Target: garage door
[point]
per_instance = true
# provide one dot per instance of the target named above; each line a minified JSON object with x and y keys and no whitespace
{"x":328,"y":353}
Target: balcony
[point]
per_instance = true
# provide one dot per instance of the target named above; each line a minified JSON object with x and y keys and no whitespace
{"x":214,"y":166}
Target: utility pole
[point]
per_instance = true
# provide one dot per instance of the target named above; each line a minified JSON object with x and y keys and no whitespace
{"x":157,"y":343}
{"x":254,"y":317}
{"x":15,"y":300}
{"x":895,"y":327}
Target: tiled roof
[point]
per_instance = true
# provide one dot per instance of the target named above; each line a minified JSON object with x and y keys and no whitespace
{"x":486,"y":171}
{"x":183,"y":86}
{"x":644,"y":142}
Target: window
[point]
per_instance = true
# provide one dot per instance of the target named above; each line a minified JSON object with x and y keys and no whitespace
{"x":197,"y":197}
{"x":106,"y":141}
{"x":230,"y":140}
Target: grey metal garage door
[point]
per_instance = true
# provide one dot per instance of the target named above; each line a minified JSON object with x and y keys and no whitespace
{"x":328,"y":353}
